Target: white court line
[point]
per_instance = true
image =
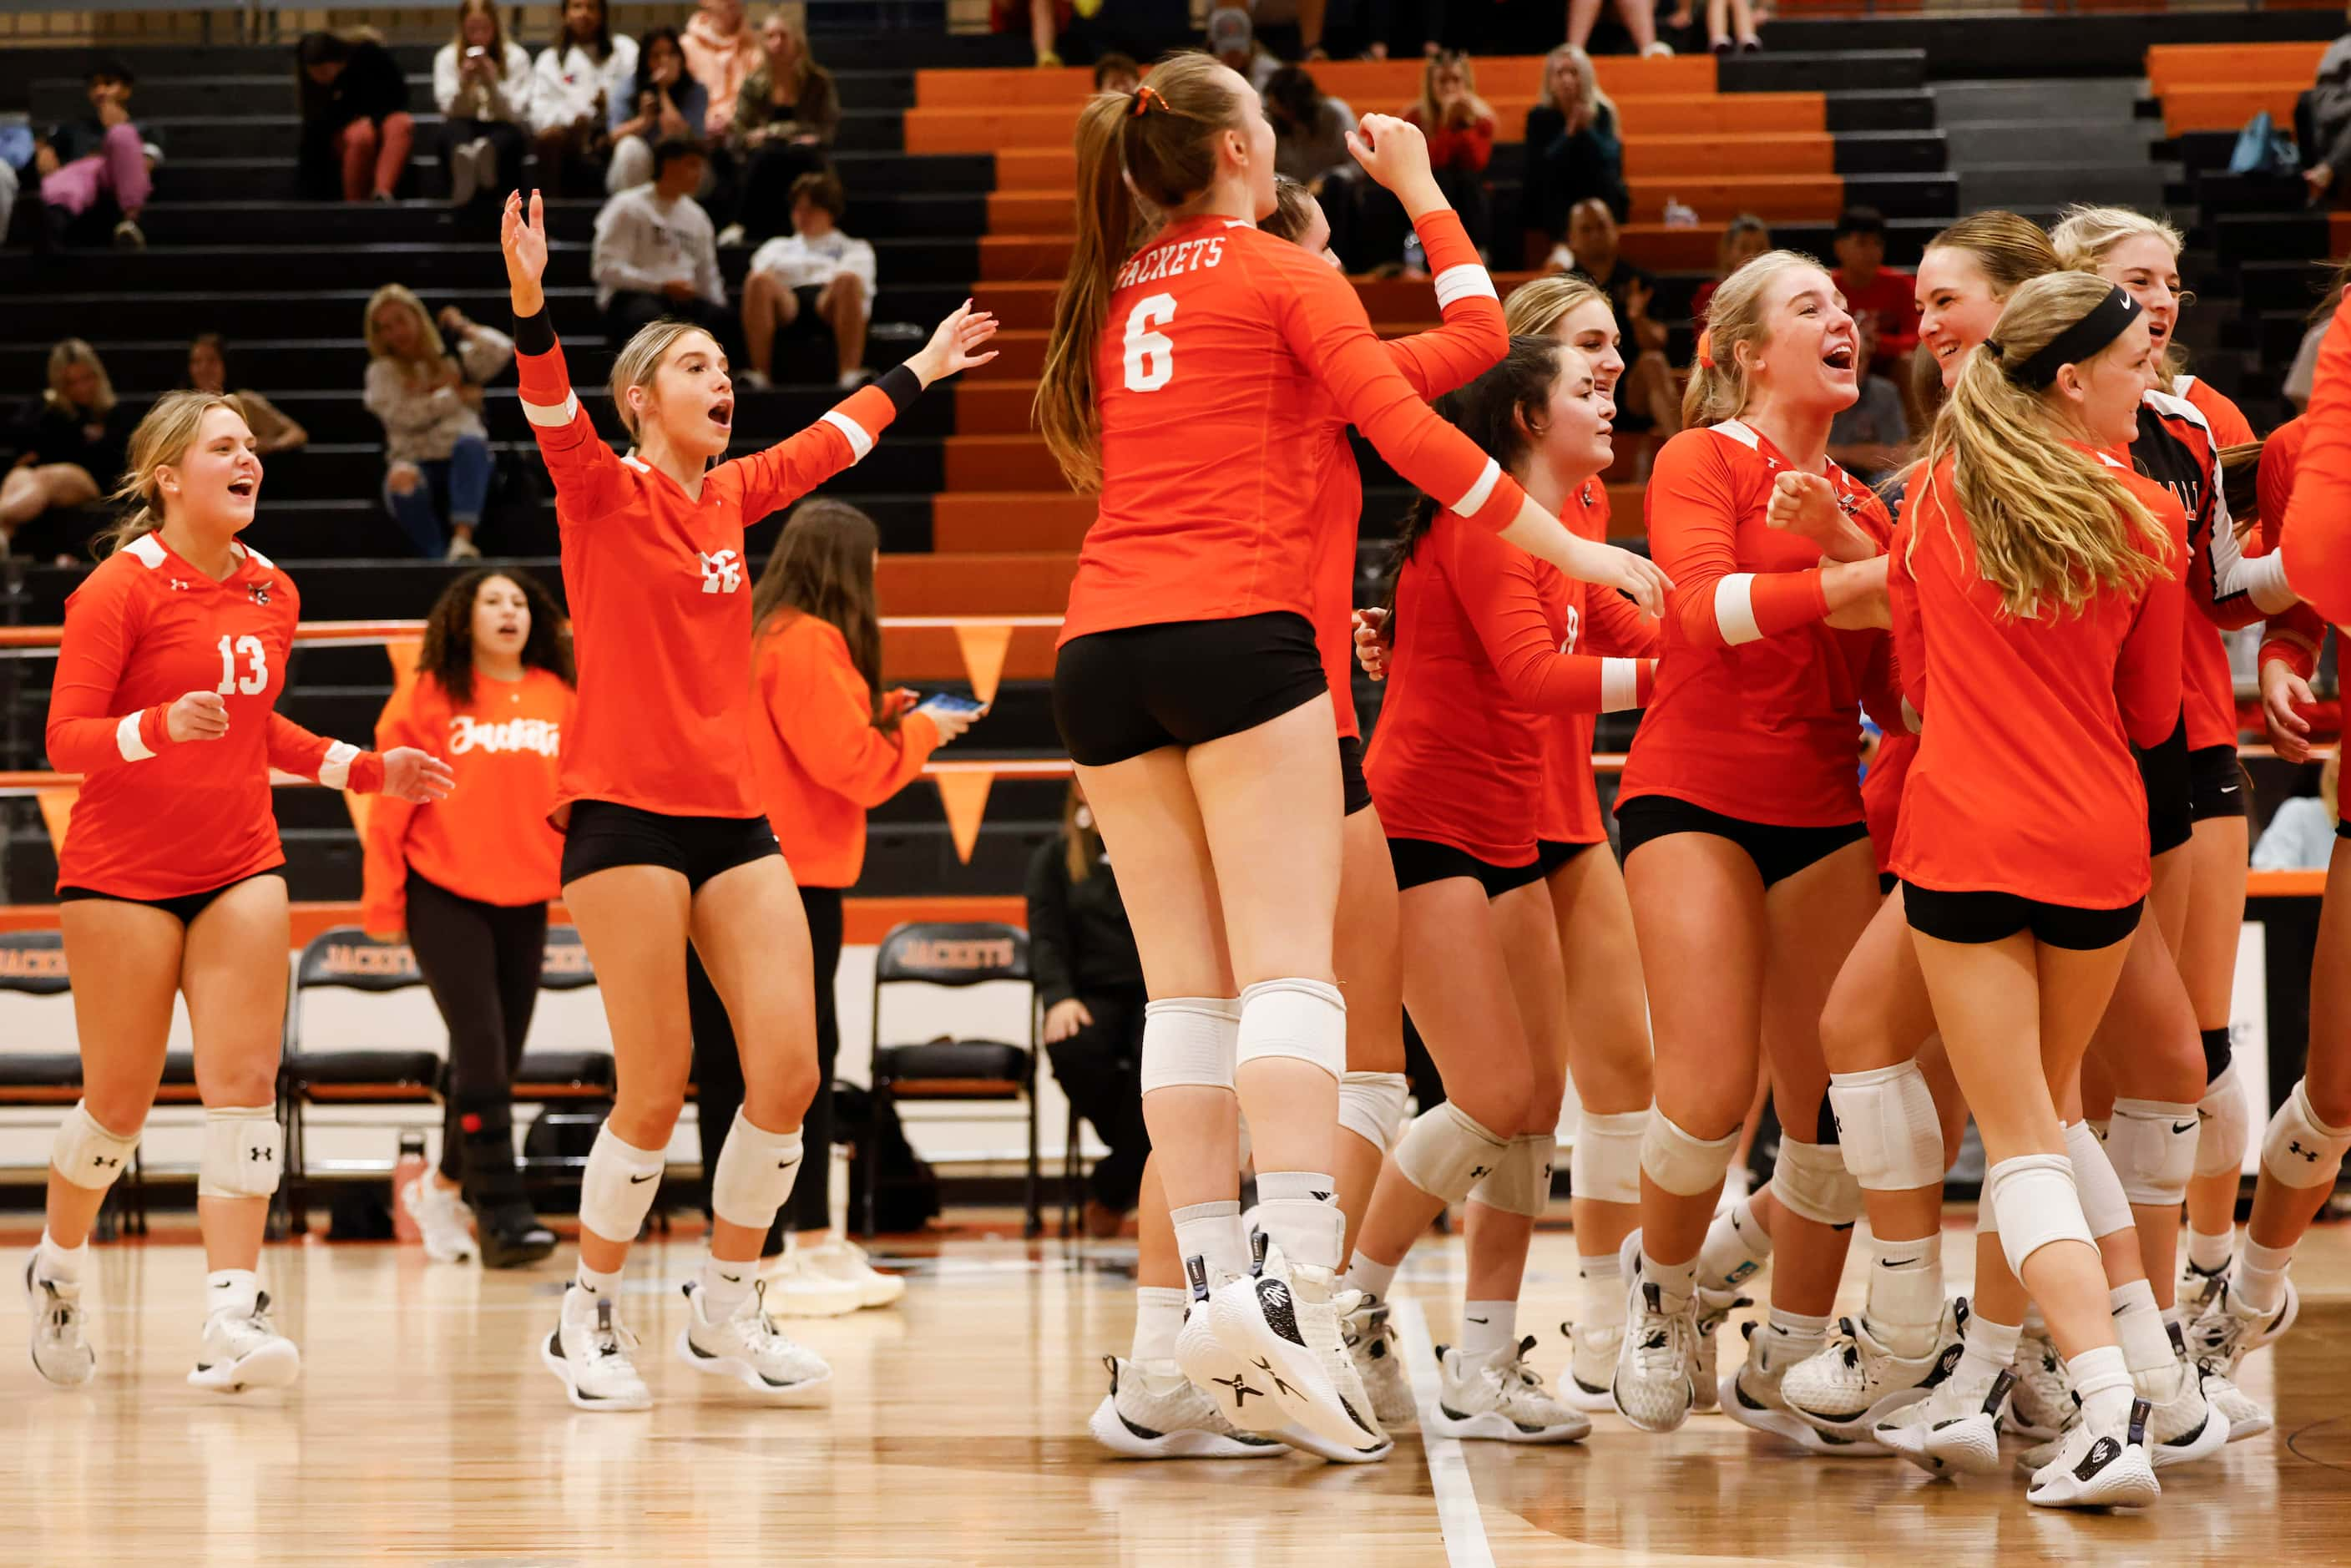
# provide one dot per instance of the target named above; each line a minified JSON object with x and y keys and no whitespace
{"x":1448,"y":1470}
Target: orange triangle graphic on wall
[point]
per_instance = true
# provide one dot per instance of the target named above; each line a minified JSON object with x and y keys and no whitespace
{"x":965,"y":795}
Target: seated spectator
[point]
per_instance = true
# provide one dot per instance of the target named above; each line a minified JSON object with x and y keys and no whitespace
{"x":1872,"y":287}
{"x":1090,"y":982}
{"x":721,"y":51}
{"x":1574,"y":152}
{"x":1647,"y":398}
{"x":1117,"y":73}
{"x":1309,"y":146}
{"x":2301,"y":836}
{"x":1639,"y":17}
{"x":74,"y":447}
{"x":1232,"y":38}
{"x":1744,"y":238}
{"x":1731,"y":24}
{"x":429,"y":400}
{"x":656,"y":254}
{"x":1460,"y":131}
{"x":1871,"y":439}
{"x":579,"y":80}
{"x":817,"y":278}
{"x":82,"y":160}
{"x":2322,"y":124}
{"x":1045,"y":20}
{"x":208,"y":372}
{"x":356,"y":127}
{"x":663,"y":103}
{"x":481,"y":80}
{"x":785,"y":119}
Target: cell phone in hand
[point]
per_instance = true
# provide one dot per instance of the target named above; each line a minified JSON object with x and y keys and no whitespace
{"x":953,"y":702}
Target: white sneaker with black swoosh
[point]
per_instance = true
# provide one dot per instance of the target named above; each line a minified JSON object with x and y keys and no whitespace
{"x":588,"y":1353}
{"x":746,"y":1345}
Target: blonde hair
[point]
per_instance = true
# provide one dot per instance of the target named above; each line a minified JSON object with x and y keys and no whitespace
{"x":2052,"y":523}
{"x":1536,"y":307}
{"x":2083,"y":236}
{"x":496,"y":53}
{"x":1734,"y":318}
{"x":162,"y":437}
{"x":2009,"y":250}
{"x":430,"y":346}
{"x":74,"y":352}
{"x":1457,"y":60}
{"x":1595,"y":98}
{"x":639,"y":358}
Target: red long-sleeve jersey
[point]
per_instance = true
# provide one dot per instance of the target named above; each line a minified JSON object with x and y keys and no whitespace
{"x":661,"y":599}
{"x":1219,"y":343}
{"x":1757,"y":709}
{"x":2178,"y":446}
{"x":159,"y":819}
{"x":2025,"y":781}
{"x":2315,"y":533}
{"x":2293,"y":635}
{"x":1595,"y":620}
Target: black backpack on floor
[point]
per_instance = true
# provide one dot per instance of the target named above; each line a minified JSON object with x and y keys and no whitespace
{"x":908,"y":1197}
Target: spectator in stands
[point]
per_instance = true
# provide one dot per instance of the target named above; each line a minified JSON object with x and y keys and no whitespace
{"x":1731,"y":24}
{"x":208,"y":372}
{"x":1309,"y":147}
{"x":1232,"y":38}
{"x":1875,"y":289}
{"x":816,"y":279}
{"x":1647,"y":398}
{"x":1744,"y":238}
{"x":2301,"y":836}
{"x":579,"y":80}
{"x":482,"y":80}
{"x":1870,"y":440}
{"x":785,"y":119}
{"x":356,"y":127}
{"x":721,"y":51}
{"x":429,"y":400}
{"x":1639,"y":17}
{"x":1045,"y":20}
{"x":1461,"y":130}
{"x":664,"y":103}
{"x":2322,"y":124}
{"x":656,"y":254}
{"x":1090,"y":982}
{"x":82,"y":160}
{"x":1117,"y":73}
{"x":1573,"y":152}
{"x":74,"y":446}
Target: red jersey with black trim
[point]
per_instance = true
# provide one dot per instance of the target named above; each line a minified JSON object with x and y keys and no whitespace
{"x":2293,"y":635}
{"x":2025,"y":781}
{"x":158,"y":818}
{"x":1593,"y":621}
{"x":1220,"y":345}
{"x":1757,"y":710}
{"x":2179,"y":448}
{"x":660,"y":597}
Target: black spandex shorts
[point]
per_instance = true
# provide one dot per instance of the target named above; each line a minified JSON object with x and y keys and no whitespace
{"x":1351,"y":774}
{"x":1419,"y":862}
{"x":2216,"y":783}
{"x":1777,"y":852}
{"x":1979,"y":918}
{"x":184,"y":908}
{"x":2164,"y":769}
{"x":1119,"y":694}
{"x":604,"y":835}
{"x":1551,"y":853}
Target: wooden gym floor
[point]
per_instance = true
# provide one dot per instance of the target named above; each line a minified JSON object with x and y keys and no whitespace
{"x":425,"y":1431}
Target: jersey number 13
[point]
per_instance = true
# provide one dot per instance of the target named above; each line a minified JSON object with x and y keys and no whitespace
{"x":256,"y":665}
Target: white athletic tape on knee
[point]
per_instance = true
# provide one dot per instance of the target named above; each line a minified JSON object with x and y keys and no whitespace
{"x":2299,"y":1149}
{"x":242,"y":1154}
{"x":1681,"y":1164}
{"x":1811,"y":1182}
{"x":1370,"y":1106}
{"x":1522,"y":1183}
{"x":1189,"y":1042}
{"x":2098,"y":1192}
{"x":2037,"y":1203}
{"x":1892,"y":1141}
{"x":2226,"y":1125}
{"x":2152,"y":1146}
{"x":86,"y":1153}
{"x":1304,"y":1020}
{"x":1604,"y":1165}
{"x":755,"y":1175}
{"x":616,"y":1189}
{"x":1445,"y":1153}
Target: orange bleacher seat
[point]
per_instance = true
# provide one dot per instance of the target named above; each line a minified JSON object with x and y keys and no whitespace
{"x":1794,"y":152}
{"x":1007,"y":521}
{"x":1776,"y":198}
{"x":1734,"y":115}
{"x":1368,"y":86}
{"x":2228,"y":106}
{"x":1014,"y":258}
{"x":2173,"y":66}
{"x":1032,"y":583}
{"x":1000,"y":463}
{"x":929,"y":656}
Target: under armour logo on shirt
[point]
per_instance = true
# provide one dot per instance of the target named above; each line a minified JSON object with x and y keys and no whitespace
{"x":721,"y":573}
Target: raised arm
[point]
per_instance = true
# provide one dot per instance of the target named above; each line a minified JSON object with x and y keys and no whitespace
{"x":1474,"y":337}
{"x":588,"y":478}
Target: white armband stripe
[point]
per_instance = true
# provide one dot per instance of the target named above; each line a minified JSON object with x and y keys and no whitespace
{"x":1734,"y":608}
{"x":2263,"y":576}
{"x":127,"y":741}
{"x":335,"y":771}
{"x":1463,"y":282}
{"x":860,"y":442}
{"x":1467,"y":506}
{"x":552,"y":415}
{"x":1620,"y":684}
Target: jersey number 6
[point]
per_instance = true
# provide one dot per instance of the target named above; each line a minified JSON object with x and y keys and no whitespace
{"x":1150,"y":356}
{"x":256,"y":661}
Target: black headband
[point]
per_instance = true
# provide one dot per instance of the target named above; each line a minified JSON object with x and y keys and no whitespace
{"x":2108,"y":320}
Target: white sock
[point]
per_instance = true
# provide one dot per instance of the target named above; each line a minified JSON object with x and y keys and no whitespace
{"x":1906,"y":1293}
{"x":1371,"y":1276}
{"x":1489,"y":1326}
{"x":1158,"y":1317}
{"x":2260,"y":1275}
{"x":1990,"y":1349}
{"x":1789,"y":1337}
{"x":595,"y":1282}
{"x":232,"y":1290}
{"x":1602,"y":1277}
{"x":2139,"y":1327}
{"x":2209,"y":1254}
{"x":1299,"y":1213}
{"x":59,"y":1265}
{"x":1735,"y":1248}
{"x":1213,"y":1232}
{"x":2101,"y":1382}
{"x":1676,"y":1282}
{"x":725,"y":1285}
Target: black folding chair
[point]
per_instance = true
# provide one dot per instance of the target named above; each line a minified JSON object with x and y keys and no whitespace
{"x":347,"y":958}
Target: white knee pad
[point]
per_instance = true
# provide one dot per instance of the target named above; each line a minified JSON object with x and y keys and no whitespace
{"x":1188,"y":1042}
{"x":2152,"y":1146}
{"x":1892,"y":1141}
{"x":1445,"y":1153}
{"x":2299,"y":1149}
{"x":1522,"y":1183}
{"x":243,"y":1152}
{"x":616,"y":1189}
{"x":2227,"y":1126}
{"x":2035,"y":1196}
{"x":1305,"y":1021}
{"x":2097,"y":1191}
{"x":1370,"y":1106}
{"x":1604,"y":1165}
{"x":86,"y":1153}
{"x":1811,"y":1182}
{"x":755,"y":1175}
{"x":1681,"y":1164}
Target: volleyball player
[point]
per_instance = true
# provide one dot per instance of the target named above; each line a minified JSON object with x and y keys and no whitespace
{"x":174,"y":652}
{"x":664,"y":843}
{"x":1192,"y":697}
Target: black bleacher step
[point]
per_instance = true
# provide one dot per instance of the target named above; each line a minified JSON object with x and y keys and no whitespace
{"x":1935,"y":196}
{"x":1009,"y":800}
{"x":1968,"y":43}
{"x":39,"y":312}
{"x":864,"y":95}
{"x":1778,"y":71}
{"x":1874,"y":110}
{"x":2287,"y":236}
{"x":1891,"y":153}
{"x":883,"y":214}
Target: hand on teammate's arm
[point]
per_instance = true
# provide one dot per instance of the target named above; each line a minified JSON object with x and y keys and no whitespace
{"x":2284,"y":694}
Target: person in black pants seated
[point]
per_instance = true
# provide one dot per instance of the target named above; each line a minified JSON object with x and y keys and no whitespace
{"x":1090,"y":980}
{"x":655,"y":254}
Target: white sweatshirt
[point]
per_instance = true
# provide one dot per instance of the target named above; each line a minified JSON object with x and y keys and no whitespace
{"x":644,"y":242}
{"x":421,"y":425}
{"x":501,"y":98}
{"x":800,"y":262}
{"x":566,"y":82}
